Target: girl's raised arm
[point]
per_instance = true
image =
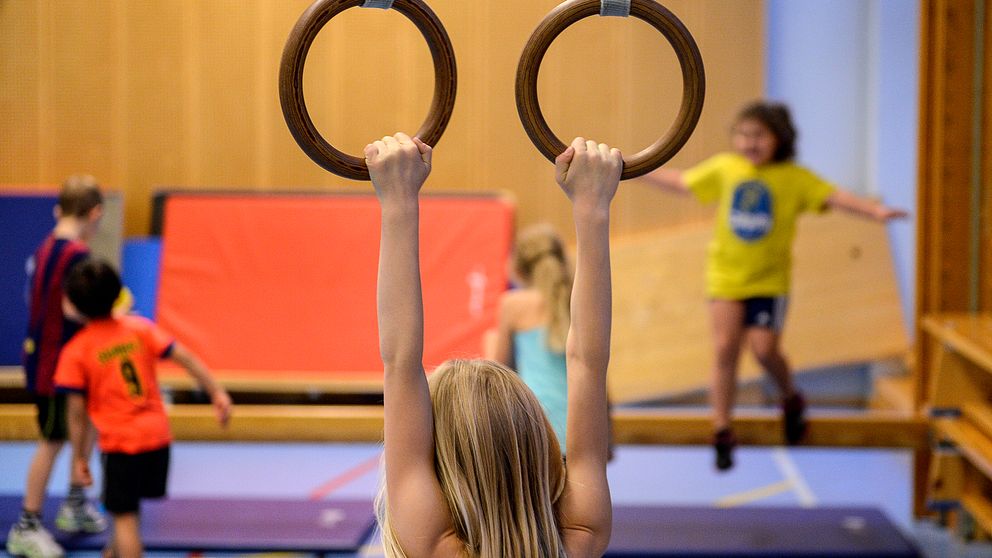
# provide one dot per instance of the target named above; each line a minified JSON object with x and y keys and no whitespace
{"x":418,"y":514}
{"x":589,"y":174}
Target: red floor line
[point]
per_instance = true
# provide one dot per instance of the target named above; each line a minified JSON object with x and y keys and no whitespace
{"x":346,"y":477}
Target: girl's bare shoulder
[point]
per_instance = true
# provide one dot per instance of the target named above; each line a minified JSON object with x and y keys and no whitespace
{"x":524,"y":297}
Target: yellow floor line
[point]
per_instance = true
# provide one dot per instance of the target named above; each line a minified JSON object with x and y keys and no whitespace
{"x":754,"y":495}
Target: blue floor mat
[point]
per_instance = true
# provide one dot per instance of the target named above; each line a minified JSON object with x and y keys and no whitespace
{"x":232,"y":524}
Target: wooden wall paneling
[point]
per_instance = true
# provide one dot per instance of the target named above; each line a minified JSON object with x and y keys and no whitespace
{"x":458,"y":165}
{"x":120,"y":147}
{"x":20,"y":103}
{"x":190,"y":90}
{"x":183,"y":94}
{"x":525,"y":171}
{"x":82,"y":86}
{"x":291,"y":168}
{"x":155,"y":135}
{"x":46,"y":89}
{"x":223,"y":132}
{"x":264,"y":72}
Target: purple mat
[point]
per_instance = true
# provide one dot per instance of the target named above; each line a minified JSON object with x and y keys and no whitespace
{"x":229,"y":524}
{"x":756,"y":532}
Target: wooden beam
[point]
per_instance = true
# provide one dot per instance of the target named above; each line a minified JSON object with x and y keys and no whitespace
{"x":985,"y":233}
{"x":842,"y":429}
{"x":248,"y":381}
{"x":287,"y":423}
{"x":946,"y":120}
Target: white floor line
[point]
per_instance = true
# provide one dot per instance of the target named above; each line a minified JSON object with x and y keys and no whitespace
{"x":791,"y":473}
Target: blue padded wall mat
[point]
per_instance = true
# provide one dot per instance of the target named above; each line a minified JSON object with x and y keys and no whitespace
{"x":25,"y":220}
{"x":140,"y":265}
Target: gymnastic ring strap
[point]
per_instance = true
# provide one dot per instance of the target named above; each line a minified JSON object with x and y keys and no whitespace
{"x":659,"y":17}
{"x":615,"y":8}
{"x":294,"y":57}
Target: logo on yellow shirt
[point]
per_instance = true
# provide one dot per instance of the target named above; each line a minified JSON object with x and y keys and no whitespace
{"x":751,"y":211}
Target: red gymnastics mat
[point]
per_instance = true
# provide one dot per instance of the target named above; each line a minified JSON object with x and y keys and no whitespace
{"x":284,"y":285}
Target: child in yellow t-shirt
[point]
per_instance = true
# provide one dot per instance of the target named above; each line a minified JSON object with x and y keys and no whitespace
{"x":760,"y":192}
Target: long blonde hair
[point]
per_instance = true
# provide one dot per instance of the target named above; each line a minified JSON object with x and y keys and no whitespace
{"x":539,"y":260}
{"x":497,"y":460}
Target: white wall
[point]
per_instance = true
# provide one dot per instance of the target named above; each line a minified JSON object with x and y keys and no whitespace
{"x":849,"y":71}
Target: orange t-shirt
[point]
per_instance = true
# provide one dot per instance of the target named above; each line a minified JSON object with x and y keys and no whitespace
{"x":112,"y":361}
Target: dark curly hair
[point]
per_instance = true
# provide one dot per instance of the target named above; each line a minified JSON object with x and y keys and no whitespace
{"x":92,"y":287}
{"x":776,"y":117}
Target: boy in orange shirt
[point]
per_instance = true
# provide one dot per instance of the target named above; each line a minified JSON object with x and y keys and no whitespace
{"x":108,"y":372}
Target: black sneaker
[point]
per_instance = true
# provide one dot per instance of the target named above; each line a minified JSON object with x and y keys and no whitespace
{"x":794,"y":418}
{"x":724,"y":442}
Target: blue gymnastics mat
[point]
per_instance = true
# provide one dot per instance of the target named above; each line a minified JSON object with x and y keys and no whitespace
{"x":756,"y":532}
{"x":324,"y":526}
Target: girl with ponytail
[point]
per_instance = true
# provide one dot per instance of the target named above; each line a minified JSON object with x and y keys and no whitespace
{"x":534,"y":320}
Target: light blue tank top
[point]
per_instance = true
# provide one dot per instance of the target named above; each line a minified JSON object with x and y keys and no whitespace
{"x":544,"y":372}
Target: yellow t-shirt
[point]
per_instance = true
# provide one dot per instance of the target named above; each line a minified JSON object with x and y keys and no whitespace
{"x":751,"y":251}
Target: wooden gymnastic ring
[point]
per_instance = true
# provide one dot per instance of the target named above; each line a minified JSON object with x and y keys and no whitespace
{"x":294,"y":57}
{"x":693,"y":81}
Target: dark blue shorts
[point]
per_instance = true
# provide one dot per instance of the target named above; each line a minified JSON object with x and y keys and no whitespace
{"x":765,"y":312}
{"x":51,"y":417}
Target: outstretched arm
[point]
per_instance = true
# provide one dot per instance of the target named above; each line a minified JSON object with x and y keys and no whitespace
{"x":589,"y":173}
{"x":399,"y":166}
{"x":669,"y":180}
{"x":195,"y":368}
{"x":869,"y":209}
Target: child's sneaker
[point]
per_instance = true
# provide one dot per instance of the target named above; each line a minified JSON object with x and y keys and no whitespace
{"x":84,"y":518}
{"x":794,"y":418}
{"x":724,"y":442}
{"x":33,"y":542}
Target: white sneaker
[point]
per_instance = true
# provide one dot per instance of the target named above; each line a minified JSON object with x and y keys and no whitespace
{"x":80,"y":519}
{"x":33,"y":543}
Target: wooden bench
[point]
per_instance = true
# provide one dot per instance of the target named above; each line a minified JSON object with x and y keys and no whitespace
{"x":359,"y":423}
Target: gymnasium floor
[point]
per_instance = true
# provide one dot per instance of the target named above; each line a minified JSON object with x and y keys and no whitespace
{"x":639,"y":475}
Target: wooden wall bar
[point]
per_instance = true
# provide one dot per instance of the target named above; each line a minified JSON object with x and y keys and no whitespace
{"x":947,"y":118}
{"x":985,"y":233}
{"x":183,"y":93}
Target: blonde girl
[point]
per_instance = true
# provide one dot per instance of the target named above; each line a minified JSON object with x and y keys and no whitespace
{"x":472,"y":468}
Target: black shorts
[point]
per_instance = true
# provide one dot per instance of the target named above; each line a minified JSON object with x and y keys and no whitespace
{"x":51,"y":417}
{"x":765,"y":312}
{"x":129,"y":478}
